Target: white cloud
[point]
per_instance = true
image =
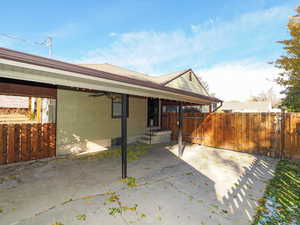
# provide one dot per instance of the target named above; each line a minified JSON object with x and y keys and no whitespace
{"x":142,"y":50}
{"x":240,"y":80}
{"x":161,"y":52}
{"x":112,"y":34}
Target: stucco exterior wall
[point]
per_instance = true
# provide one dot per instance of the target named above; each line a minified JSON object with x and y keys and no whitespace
{"x":85,"y":124}
{"x":184,"y":83}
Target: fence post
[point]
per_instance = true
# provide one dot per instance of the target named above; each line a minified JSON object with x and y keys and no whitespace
{"x":282,"y":134}
{"x":180,"y":124}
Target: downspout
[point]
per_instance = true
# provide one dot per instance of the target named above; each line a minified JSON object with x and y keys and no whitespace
{"x":218,"y":107}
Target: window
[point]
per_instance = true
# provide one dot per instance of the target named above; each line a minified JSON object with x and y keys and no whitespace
{"x":169,"y":108}
{"x":117,"y":107}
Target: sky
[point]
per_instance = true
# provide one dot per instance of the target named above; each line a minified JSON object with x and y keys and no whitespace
{"x":228,"y":43}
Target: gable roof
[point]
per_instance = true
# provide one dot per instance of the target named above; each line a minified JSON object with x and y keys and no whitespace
{"x":249,"y":106}
{"x":55,"y":72}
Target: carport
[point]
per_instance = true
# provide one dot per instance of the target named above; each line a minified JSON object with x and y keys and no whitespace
{"x":23,"y":68}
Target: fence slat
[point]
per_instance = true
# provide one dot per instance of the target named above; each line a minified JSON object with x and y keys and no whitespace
{"x":52,"y":140}
{"x":24,"y":142}
{"x":11,"y":144}
{"x":17,"y":143}
{"x":3,"y":144}
{"x":39,"y":137}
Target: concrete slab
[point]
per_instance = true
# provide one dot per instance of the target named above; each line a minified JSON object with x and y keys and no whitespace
{"x":206,"y":186}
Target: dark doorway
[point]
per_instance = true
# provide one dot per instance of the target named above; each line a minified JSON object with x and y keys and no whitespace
{"x":153,"y":112}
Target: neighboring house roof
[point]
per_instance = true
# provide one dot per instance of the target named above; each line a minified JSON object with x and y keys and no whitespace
{"x":14,"y":102}
{"x":250,"y":106}
{"x":82,"y":77}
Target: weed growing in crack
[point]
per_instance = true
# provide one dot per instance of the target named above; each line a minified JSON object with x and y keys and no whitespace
{"x":66,"y":202}
{"x":58,"y":223}
{"x":114,"y":211}
{"x":81,"y":217}
{"x":130,"y":181}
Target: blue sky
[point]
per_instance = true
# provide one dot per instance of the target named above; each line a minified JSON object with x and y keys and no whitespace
{"x":223,"y":41}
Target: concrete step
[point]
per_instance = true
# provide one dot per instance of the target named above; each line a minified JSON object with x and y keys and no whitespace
{"x":152,"y":128}
{"x":154,"y":141}
{"x":158,"y":133}
{"x":144,"y":142}
{"x":145,"y":136}
{"x":156,"y":137}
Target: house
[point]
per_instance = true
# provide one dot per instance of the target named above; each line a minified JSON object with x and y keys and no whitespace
{"x":13,"y":102}
{"x":98,"y":105}
{"x":248,"y":106}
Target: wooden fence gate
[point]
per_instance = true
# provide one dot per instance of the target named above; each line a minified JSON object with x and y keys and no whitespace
{"x":23,"y":142}
{"x":272,"y":134}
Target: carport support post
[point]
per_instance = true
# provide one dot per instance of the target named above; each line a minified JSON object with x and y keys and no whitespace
{"x":180,"y":125}
{"x":124,"y":135}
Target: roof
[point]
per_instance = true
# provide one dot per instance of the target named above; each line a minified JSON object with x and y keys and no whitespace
{"x":118,"y":70}
{"x":16,"y":58}
{"x":161,"y":79}
{"x":249,"y":106}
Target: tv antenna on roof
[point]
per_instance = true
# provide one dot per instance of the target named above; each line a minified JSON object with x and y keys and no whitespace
{"x":48,"y":42}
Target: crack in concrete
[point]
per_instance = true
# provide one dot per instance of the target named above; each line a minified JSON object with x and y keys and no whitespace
{"x":92,"y":196}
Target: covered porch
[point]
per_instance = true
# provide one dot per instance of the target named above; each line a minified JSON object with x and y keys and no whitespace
{"x":21,"y":67}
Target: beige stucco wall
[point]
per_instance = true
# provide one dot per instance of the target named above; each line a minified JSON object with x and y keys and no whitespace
{"x":85,"y":124}
{"x":184,"y":83}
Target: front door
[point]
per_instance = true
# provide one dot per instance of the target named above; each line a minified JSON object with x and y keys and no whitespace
{"x":153,"y":112}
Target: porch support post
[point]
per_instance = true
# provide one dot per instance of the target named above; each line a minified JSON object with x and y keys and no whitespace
{"x":124,"y":135}
{"x":180,"y":126}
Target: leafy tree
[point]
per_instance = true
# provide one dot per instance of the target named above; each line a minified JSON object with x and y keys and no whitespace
{"x":290,"y":65}
{"x":205,"y":85}
{"x":269,"y":96}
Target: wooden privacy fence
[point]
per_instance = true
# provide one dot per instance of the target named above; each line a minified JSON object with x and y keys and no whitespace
{"x":23,"y":142}
{"x":272,"y":134}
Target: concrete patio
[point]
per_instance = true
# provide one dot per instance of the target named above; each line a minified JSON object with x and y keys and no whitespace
{"x":206,"y":186}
